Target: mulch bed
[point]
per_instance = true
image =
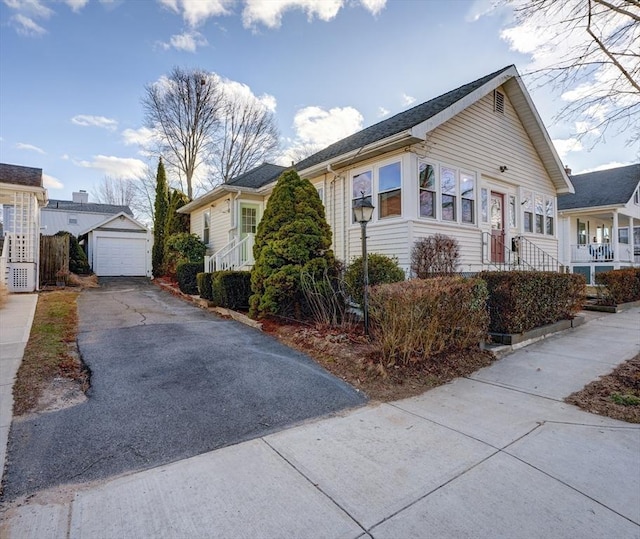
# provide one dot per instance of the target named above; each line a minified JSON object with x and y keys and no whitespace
{"x":606,"y":395}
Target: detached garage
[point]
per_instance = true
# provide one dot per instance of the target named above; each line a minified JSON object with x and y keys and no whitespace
{"x":119,"y":246}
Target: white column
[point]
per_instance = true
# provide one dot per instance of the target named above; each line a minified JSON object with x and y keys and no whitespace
{"x":614,"y":240}
{"x":632,"y":247}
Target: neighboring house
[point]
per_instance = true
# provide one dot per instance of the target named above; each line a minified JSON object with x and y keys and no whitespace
{"x":21,"y":195}
{"x":116,"y":244}
{"x":599,"y":224}
{"x":475,"y":164}
{"x":77,"y":215}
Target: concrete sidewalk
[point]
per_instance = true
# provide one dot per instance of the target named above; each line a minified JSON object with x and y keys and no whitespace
{"x":16,"y":318}
{"x":497,"y":454}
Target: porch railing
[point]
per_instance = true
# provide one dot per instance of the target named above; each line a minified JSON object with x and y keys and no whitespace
{"x":237,"y":254}
{"x":604,"y":252}
{"x":517,"y":254}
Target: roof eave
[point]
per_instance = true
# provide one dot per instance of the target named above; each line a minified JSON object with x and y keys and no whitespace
{"x":592,"y":209}
{"x":215,"y":194}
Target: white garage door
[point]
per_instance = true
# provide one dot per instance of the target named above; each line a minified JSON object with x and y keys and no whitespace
{"x":121,"y":256}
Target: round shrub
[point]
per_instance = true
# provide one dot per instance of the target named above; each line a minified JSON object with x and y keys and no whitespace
{"x":183,"y":247}
{"x":381,"y":269}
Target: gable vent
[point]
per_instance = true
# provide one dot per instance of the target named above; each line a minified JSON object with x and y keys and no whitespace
{"x":498,"y":102}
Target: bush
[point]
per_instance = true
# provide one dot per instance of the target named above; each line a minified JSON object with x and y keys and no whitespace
{"x":620,"y":286}
{"x":435,"y":255}
{"x":293,"y":237}
{"x":204,"y":285}
{"x":186,"y":273}
{"x":183,"y":247}
{"x":326,"y":296}
{"x":78,"y":262}
{"x":523,"y":300}
{"x":381,"y":269}
{"x":417,"y":319}
{"x":231,"y":289}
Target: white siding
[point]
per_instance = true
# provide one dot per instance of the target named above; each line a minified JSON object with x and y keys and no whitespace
{"x":58,"y":220}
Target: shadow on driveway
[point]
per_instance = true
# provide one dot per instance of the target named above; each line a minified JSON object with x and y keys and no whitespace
{"x":169,"y":381}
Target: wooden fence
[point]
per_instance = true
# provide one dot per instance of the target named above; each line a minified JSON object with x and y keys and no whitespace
{"x":54,"y":259}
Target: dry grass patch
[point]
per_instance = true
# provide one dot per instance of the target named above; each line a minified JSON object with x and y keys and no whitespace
{"x":51,"y":351}
{"x":616,"y":395}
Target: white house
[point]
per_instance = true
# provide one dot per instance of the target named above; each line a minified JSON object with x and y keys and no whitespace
{"x":21,"y":195}
{"x":599,"y":225}
{"x":476,"y":164}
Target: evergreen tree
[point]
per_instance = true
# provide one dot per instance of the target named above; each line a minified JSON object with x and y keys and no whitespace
{"x":159,"y":221}
{"x":176,"y":222}
{"x":292,"y":237}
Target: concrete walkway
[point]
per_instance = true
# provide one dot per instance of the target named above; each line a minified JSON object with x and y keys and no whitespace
{"x":16,"y":318}
{"x":494,"y":455}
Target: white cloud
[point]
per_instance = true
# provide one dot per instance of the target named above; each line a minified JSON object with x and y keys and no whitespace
{"x":26,"y":26}
{"x":29,"y":147}
{"x":238,"y":90}
{"x":407,"y":100}
{"x":480,"y":8}
{"x":117,"y":167}
{"x":35,"y":8}
{"x":144,"y":137}
{"x":196,"y":12}
{"x":187,"y":41}
{"x":606,"y":166}
{"x":564,"y":146}
{"x":87,"y":120}
{"x":317,"y":128}
{"x":76,"y":5}
{"x":51,"y":183}
{"x":270,"y":12}
{"x":382,"y":112}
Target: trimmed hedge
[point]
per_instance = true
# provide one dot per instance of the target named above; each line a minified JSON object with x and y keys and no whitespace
{"x":186,"y":274}
{"x":231,"y":289}
{"x":204,"y":285}
{"x":621,"y":286}
{"x":417,"y":319}
{"x":522,"y":300}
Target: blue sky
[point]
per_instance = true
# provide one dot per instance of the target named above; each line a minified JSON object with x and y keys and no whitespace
{"x":73,"y":72}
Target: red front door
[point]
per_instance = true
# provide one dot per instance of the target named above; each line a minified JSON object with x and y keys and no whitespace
{"x":497,"y":227}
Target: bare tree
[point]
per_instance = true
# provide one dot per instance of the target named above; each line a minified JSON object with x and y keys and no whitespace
{"x":184,"y":107}
{"x":116,"y":191}
{"x":247,"y":137}
{"x":592,"y":56}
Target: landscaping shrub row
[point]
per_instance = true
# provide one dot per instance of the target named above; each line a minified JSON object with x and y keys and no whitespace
{"x":522,"y":300}
{"x":230,"y":289}
{"x":620,"y":286}
{"x":415,"y":320}
{"x":186,"y":274}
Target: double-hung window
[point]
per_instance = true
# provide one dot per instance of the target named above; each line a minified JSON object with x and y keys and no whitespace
{"x":538,"y":212}
{"x":467,"y":197}
{"x":448,"y":180}
{"x":206,"y":225}
{"x":549,"y":213}
{"x":527,"y":205}
{"x":539,"y":207}
{"x":427,"y":183}
{"x":390,"y":190}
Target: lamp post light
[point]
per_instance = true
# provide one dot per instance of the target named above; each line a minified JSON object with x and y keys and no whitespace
{"x":362,"y":213}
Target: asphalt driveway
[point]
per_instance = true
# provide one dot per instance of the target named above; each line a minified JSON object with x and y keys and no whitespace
{"x":168,"y":381}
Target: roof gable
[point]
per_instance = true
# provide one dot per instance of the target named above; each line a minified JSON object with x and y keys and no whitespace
{"x":19,"y":175}
{"x":612,"y":187}
{"x":89,"y":207}
{"x":113,"y":218}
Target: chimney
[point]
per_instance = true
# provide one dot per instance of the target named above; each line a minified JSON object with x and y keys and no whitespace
{"x":567,"y":170}
{"x":81,"y":197}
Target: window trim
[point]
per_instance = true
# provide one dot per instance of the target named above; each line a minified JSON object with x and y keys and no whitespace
{"x":206,"y":230}
{"x":528,"y":205}
{"x":374,"y":196}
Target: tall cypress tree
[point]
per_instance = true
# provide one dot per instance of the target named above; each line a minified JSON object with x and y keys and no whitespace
{"x":159,"y":220}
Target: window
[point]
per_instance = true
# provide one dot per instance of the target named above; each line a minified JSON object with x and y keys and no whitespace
{"x":72,"y":219}
{"x":636,"y":197}
{"x":484,"y":205}
{"x":448,"y":188}
{"x":583,"y":232}
{"x":549,"y":213}
{"x":427,"y":182}
{"x":206,"y":216}
{"x":539,"y":207}
{"x":389,"y":190}
{"x":362,"y":187}
{"x":527,"y":205}
{"x":512,"y":211}
{"x":320,"y":190}
{"x":623,"y":235}
{"x":248,"y":220}
{"x":467,"y":197}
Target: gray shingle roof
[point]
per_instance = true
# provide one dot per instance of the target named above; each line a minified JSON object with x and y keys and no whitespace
{"x":90,"y":207}
{"x":20,"y":175}
{"x":259,"y":176}
{"x":396,"y":124}
{"x":614,"y":186}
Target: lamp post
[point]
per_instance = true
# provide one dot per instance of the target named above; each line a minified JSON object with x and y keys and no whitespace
{"x":362,"y":213}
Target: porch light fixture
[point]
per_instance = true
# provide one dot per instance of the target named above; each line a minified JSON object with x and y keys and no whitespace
{"x":362,"y":213}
